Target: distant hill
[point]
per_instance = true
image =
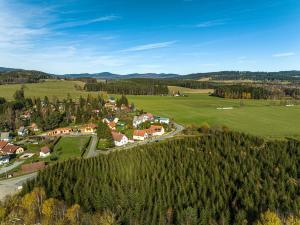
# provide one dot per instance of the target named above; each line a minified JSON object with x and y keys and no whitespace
{"x":4,"y":69}
{"x":112,"y":76}
{"x":15,"y":76}
{"x":240,"y":75}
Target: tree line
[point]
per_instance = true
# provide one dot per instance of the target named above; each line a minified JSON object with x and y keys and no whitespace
{"x":218,"y":178}
{"x":144,"y":86}
{"x":242,"y":92}
{"x":256,"y":92}
{"x":23,"y":76}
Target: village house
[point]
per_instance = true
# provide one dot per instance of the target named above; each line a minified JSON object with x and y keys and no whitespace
{"x":5,"y":136}
{"x":137,"y":120}
{"x":22,"y":131}
{"x":140,"y":135}
{"x":34,"y":127}
{"x":155,"y":130}
{"x":119,"y":138}
{"x":26,"y":115}
{"x":11,"y":149}
{"x":60,"y":131}
{"x":89,"y":129}
{"x":158,"y":119}
{"x":112,"y":125}
{"x":112,"y":100}
{"x":4,"y":159}
{"x":45,"y":151}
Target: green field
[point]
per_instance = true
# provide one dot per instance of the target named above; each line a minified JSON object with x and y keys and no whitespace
{"x":259,"y":117}
{"x":58,"y":88}
{"x":70,"y":147}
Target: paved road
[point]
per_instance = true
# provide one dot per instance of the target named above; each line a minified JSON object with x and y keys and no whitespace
{"x":94,"y":152}
{"x":10,"y":186}
{"x":92,"y":147}
{"x":8,"y":168}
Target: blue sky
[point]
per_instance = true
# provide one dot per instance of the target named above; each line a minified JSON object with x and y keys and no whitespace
{"x":170,"y":36}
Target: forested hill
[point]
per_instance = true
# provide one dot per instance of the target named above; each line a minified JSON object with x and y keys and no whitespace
{"x":220,"y":178}
{"x":23,"y":76}
{"x":244,"y":75}
{"x":112,"y":76}
{"x":221,"y":75}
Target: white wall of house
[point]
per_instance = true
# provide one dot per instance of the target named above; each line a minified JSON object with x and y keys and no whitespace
{"x":162,"y":131}
{"x":140,"y":138}
{"x":43,"y":155}
{"x":124,"y":141}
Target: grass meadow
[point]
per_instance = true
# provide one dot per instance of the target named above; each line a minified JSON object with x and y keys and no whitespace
{"x":259,"y":117}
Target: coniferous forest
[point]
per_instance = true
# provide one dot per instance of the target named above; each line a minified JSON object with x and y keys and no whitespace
{"x":217,"y":178}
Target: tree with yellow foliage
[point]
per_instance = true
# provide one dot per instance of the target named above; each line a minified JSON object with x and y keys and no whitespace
{"x":108,"y":218}
{"x":53,"y":210}
{"x":269,"y":218}
{"x":292,"y":220}
{"x":32,"y":204}
{"x":73,"y":214}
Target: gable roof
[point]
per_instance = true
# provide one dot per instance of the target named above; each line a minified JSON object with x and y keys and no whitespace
{"x":155,"y":128}
{"x":3,"y":144}
{"x":117,"y":136}
{"x":140,"y":133}
{"x":10,"y":149}
{"x":45,"y":149}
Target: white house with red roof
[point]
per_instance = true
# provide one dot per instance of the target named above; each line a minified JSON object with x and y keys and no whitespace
{"x":155,"y":130}
{"x":140,"y":135}
{"x":119,"y":138}
{"x":45,"y":151}
{"x":9,"y":149}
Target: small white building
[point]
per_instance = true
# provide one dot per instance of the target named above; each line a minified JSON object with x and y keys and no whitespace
{"x":140,"y":135}
{"x":162,"y":120}
{"x":4,"y":159}
{"x":22,"y":131}
{"x":119,"y":139}
{"x":45,"y":152}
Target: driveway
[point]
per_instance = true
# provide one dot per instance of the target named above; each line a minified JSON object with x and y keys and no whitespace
{"x":10,"y":186}
{"x":92,"y":147}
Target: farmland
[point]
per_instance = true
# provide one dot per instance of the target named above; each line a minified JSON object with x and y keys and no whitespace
{"x":260,"y":117}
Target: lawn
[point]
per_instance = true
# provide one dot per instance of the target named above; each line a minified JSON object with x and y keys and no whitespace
{"x":259,"y":117}
{"x":70,"y":147}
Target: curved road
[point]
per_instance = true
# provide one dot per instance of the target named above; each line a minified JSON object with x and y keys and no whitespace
{"x":92,"y":151}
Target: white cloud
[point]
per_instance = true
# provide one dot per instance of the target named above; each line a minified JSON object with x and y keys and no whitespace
{"x":150,"y":46}
{"x":210,"y":23}
{"x":283,"y":54}
{"x":85,"y":22}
